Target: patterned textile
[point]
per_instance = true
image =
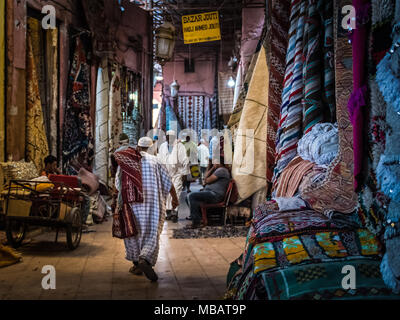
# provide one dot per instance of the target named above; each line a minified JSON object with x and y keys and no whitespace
{"x":150,"y":215}
{"x":207,"y":114}
{"x":322,"y":281}
{"x":373,"y":203}
{"x":191,"y":112}
{"x":225,"y":94}
{"x":131,"y":175}
{"x":52,"y":74}
{"x":290,"y":124}
{"x":2,"y":78}
{"x":36,"y":140}
{"x":318,"y":104}
{"x":78,"y":147}
{"x":115,"y":112}
{"x":279,"y":12}
{"x":273,"y":225}
{"x":249,"y":161}
{"x":336,"y":192}
{"x":292,"y":176}
{"x":313,"y":248}
{"x":238,"y":108}
{"x":102,"y":112}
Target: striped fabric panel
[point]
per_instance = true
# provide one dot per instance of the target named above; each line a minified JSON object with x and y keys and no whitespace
{"x":329,"y":62}
{"x":312,"y":104}
{"x":290,"y":126}
{"x":318,"y":71}
{"x":278,"y":42}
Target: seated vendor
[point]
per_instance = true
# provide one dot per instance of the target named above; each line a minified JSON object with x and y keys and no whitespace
{"x":50,"y":166}
{"x":216,"y":180}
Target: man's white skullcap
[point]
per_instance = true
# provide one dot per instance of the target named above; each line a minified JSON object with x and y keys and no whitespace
{"x":145,"y":142}
{"x":171,"y":133}
{"x":202,"y":141}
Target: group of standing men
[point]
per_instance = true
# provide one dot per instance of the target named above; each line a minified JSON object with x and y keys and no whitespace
{"x":156,"y":180}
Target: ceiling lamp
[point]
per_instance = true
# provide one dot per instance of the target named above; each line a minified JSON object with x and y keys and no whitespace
{"x":174,"y":89}
{"x":165,"y":42}
{"x":231,"y":82}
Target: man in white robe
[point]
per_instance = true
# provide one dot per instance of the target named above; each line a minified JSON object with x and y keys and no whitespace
{"x":149,"y":216}
{"x":172,"y":154}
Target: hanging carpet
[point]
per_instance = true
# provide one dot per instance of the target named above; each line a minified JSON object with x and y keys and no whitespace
{"x":277,"y":45}
{"x":102,"y":114}
{"x":238,"y":108}
{"x":249,"y":161}
{"x":77,"y":132}
{"x":36,"y":141}
{"x":290,"y":125}
{"x":115,"y":112}
{"x":335,"y":192}
{"x":225,"y":94}
{"x":2,"y":78}
{"x":191,"y":112}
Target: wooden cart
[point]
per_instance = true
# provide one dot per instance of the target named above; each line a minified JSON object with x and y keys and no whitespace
{"x":55,"y":205}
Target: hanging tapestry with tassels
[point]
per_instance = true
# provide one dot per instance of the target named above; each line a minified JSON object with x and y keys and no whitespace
{"x":190,"y":112}
{"x":78,"y":147}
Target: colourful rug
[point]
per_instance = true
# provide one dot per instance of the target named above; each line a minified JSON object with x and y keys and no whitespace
{"x":273,"y":225}
{"x":323,"y":281}
{"x":291,"y":115}
{"x":313,"y":248}
{"x":336,"y":192}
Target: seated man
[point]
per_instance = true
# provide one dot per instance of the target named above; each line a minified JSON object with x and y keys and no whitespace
{"x":50,"y":166}
{"x":216,"y":184}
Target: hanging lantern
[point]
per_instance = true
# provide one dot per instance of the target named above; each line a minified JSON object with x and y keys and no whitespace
{"x":231,"y":82}
{"x":165,"y":42}
{"x":174,"y":89}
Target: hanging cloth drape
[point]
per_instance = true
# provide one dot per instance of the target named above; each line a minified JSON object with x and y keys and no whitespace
{"x":238,"y":108}
{"x":249,"y":161}
{"x":277,"y":41}
{"x":2,"y":78}
{"x":115,"y":112}
{"x":318,"y":103}
{"x":191,"y":112}
{"x":335,"y":192}
{"x":358,"y":100}
{"x":36,"y":141}
{"x":102,"y":114}
{"x":52,"y":87}
{"x":290,"y":124}
{"x":77,"y":132}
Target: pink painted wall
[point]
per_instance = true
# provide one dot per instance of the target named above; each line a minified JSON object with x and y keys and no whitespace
{"x":252,"y":26}
{"x":201,"y":82}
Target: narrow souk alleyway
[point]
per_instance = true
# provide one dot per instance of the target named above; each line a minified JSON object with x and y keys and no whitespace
{"x":188,"y":269}
{"x":283,"y":114}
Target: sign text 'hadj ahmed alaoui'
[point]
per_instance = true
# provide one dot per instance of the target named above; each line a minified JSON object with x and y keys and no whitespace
{"x":201,"y":27}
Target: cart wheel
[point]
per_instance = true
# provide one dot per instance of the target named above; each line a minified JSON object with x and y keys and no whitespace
{"x":15,"y":231}
{"x":74,"y":228}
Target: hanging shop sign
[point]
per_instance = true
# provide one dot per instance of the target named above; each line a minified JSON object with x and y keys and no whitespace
{"x":201,"y":27}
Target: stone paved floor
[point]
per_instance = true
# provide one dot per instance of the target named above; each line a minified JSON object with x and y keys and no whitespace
{"x":188,"y":269}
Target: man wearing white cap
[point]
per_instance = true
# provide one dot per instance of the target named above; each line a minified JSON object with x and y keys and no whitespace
{"x":172,"y":153}
{"x":203,"y":154}
{"x":149,"y":214}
